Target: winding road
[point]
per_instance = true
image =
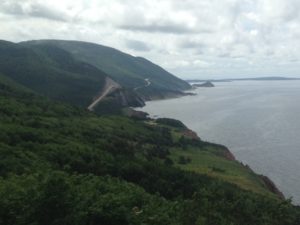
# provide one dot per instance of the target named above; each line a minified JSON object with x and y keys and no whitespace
{"x":109,"y":87}
{"x":148,"y":83}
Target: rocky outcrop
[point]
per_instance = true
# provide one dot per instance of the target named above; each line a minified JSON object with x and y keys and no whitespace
{"x":206,"y":84}
{"x":116,"y":101}
{"x":127,"y":98}
{"x":190,"y":134}
{"x":269,"y":184}
{"x":135,"y":114}
{"x":228,"y":155}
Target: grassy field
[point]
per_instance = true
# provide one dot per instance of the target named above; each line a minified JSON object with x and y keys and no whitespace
{"x":205,"y":161}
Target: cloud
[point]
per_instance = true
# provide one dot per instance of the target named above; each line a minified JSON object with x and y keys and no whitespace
{"x":189,"y":38}
{"x":32,"y":9}
{"x":168,"y":28}
{"x":278,"y":11}
{"x":137,"y":45}
{"x":190,"y":44}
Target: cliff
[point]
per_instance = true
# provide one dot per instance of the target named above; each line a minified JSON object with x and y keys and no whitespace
{"x":272,"y":187}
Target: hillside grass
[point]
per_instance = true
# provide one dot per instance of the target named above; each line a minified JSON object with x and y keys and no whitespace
{"x":205,"y":161}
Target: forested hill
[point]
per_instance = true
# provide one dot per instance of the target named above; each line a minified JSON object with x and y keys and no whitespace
{"x":131,"y":72}
{"x":79,"y":73}
{"x":65,"y":165}
{"x":52,"y":72}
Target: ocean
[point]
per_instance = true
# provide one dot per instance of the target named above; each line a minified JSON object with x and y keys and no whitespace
{"x":259,"y":121}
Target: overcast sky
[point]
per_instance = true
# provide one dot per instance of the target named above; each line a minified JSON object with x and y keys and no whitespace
{"x":190,"y":38}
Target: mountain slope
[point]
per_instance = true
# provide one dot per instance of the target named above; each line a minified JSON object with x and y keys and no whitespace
{"x":51,"y":68}
{"x":129,"y":71}
{"x":52,"y":72}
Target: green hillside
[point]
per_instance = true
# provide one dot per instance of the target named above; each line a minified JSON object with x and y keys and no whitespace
{"x":52,"y":68}
{"x":127,"y":70}
{"x":64,"y":165}
{"x":52,"y":72}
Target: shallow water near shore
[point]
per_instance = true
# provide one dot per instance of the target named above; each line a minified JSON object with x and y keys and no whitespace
{"x":259,"y":121}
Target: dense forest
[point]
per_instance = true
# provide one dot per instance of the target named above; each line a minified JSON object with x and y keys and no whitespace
{"x":60,"y":164}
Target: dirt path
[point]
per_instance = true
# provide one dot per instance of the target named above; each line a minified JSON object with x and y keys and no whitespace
{"x":109,"y":87}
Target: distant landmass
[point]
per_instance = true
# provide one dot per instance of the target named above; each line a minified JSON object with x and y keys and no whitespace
{"x":243,"y":79}
{"x":205,"y":84}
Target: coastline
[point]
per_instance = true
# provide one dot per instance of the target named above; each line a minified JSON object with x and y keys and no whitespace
{"x":228,"y":155}
{"x":170,"y":95}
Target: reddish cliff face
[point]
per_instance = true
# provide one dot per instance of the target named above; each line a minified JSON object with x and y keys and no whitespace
{"x":271,"y":186}
{"x":228,"y":155}
{"x":193,"y":135}
{"x":190,"y":134}
{"x":267,"y":181}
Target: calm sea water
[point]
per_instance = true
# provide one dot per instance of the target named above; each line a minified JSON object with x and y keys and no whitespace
{"x":258,"y":120}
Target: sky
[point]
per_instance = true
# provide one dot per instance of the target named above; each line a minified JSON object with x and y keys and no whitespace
{"x":192,"y":39}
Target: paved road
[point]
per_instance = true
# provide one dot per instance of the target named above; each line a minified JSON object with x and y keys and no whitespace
{"x":146,"y":85}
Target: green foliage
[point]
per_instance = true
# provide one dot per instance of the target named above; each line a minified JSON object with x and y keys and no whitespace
{"x":184,"y":160}
{"x":63,"y":165}
{"x":59,"y":198}
{"x":129,"y":71}
{"x":52,"y":72}
{"x":171,"y":122}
